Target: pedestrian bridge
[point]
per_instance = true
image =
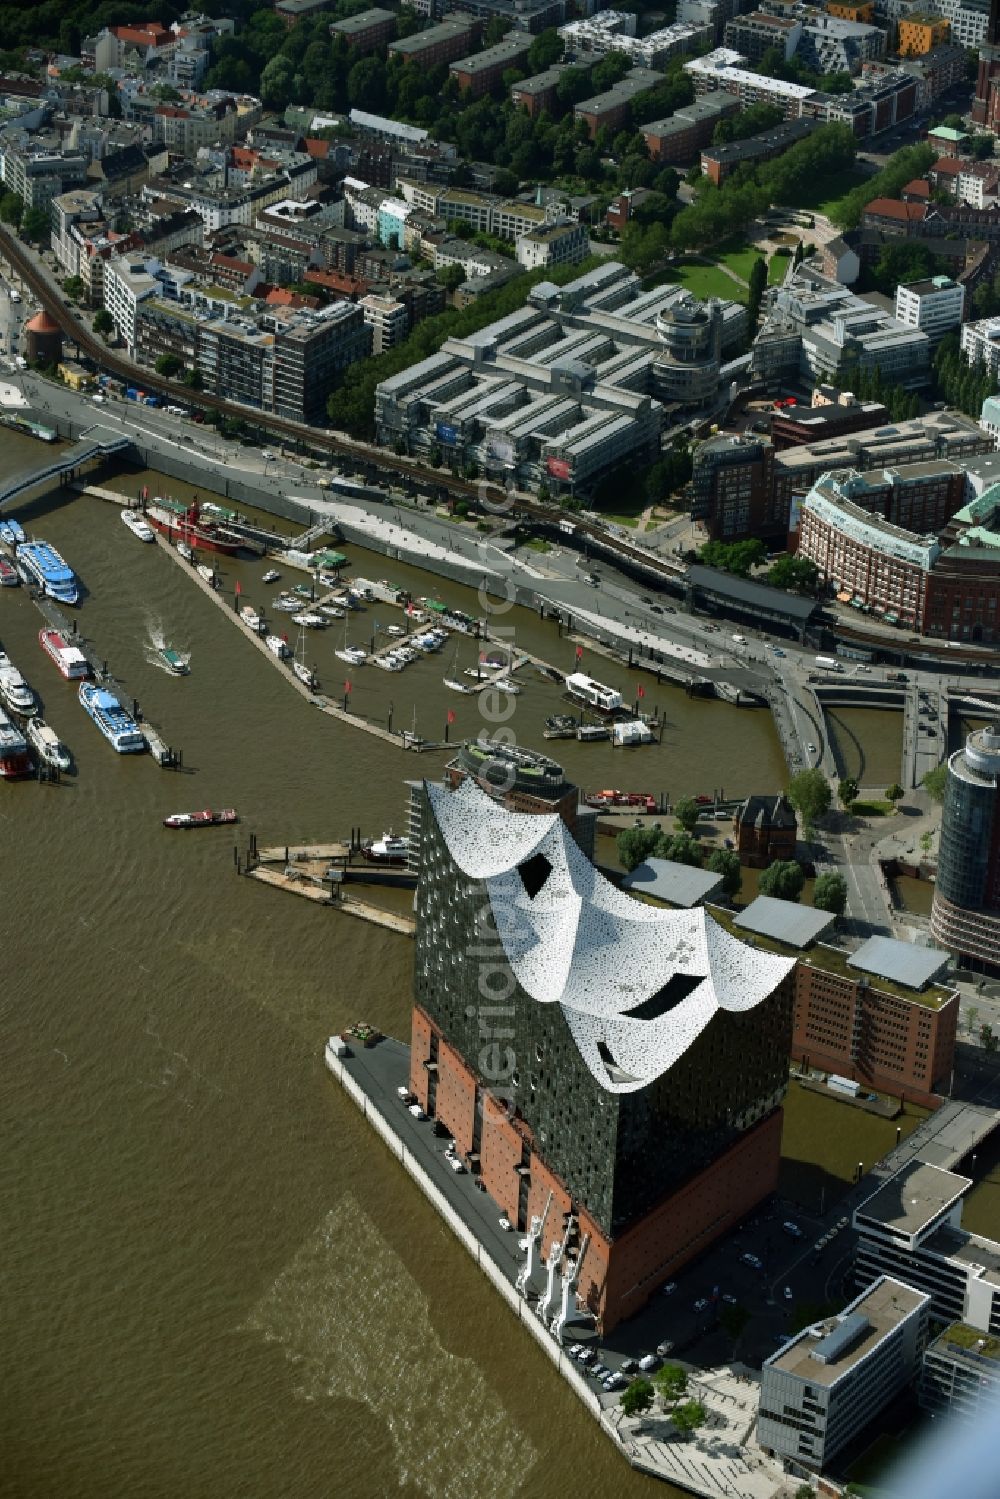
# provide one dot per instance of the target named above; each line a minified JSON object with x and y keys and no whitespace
{"x":98,"y":443}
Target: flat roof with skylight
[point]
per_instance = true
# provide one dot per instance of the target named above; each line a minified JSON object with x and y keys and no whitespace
{"x":826,"y":1351}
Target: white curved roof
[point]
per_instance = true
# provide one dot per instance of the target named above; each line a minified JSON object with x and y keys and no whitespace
{"x":583,"y":944}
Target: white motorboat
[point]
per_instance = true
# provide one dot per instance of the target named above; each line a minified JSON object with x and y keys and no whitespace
{"x":504,"y":684}
{"x":208,"y":573}
{"x":185,"y":551}
{"x":45,"y":742}
{"x":287,"y":603}
{"x":388,"y":663}
{"x":278,"y":647}
{"x":14,"y":690}
{"x":394,"y":630}
{"x":252,"y":619}
{"x":271,"y":576}
{"x":352,"y":654}
{"x":331,"y":611}
{"x":311,"y":621}
{"x":305,"y":676}
{"x":139,"y":527}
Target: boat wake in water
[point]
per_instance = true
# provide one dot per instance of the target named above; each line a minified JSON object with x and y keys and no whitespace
{"x":155,"y":645}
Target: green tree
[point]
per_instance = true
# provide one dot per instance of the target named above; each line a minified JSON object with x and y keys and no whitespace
{"x":686,"y":813}
{"x":168,"y":365}
{"x":688,"y":1417}
{"x":73,"y":287}
{"x":635,"y":845}
{"x":637,"y":1397}
{"x":671,"y":1382}
{"x":450,"y":276}
{"x":934,"y":782}
{"x":783,"y":879}
{"x":103,"y":323}
{"x":11,"y":208}
{"x":757,"y":284}
{"x":830,"y":893}
{"x":804,"y":1491}
{"x":809,"y":794}
{"x":894,"y":793}
{"x":733,"y":1321}
{"x":36,"y":224}
{"x":989,"y":1041}
{"x":681,"y":848}
{"x":192,"y":378}
{"x":794,"y":572}
{"x":726,"y":861}
{"x":847,"y":791}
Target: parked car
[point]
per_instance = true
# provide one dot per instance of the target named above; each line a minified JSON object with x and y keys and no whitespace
{"x":417,"y":1111}
{"x":701,"y":1305}
{"x":728,"y":1299}
{"x":792,"y":1230}
{"x":777,"y":651}
{"x":751,"y":1260}
{"x":649,"y":1362}
{"x":788,"y":1294}
{"x":665,"y":1348}
{"x":629,"y":1366}
{"x":670,"y":1288}
{"x":656,"y":608}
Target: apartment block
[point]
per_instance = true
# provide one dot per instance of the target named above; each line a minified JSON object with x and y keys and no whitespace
{"x":756,"y":33}
{"x":922,"y":33}
{"x":719,"y":162}
{"x":482,"y":73}
{"x":537,"y":93}
{"x":560,"y":243}
{"x":367,"y":31}
{"x":681,"y":137}
{"x":611,"y":110}
{"x":723,"y":70}
{"x":388,"y":320}
{"x":446,"y":42}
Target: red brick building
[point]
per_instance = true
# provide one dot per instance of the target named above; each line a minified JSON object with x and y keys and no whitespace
{"x":765,"y":829}
{"x":890,"y":1038}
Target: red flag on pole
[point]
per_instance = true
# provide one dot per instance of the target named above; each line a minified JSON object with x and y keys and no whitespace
{"x":579,"y":652}
{"x":640,"y":691}
{"x":451,"y":715}
{"x":347,"y":686}
{"x":239,"y":586}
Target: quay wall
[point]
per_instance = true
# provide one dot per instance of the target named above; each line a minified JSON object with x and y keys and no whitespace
{"x":554,"y":1351}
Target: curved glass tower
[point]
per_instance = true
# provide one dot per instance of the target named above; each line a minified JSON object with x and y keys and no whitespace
{"x":965,"y":916}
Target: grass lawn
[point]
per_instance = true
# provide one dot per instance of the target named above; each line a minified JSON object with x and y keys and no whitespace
{"x":738,"y":258}
{"x":776,"y":268}
{"x":824,"y":1139}
{"x":623,"y":520}
{"x":871,"y":809}
{"x":708,"y":281}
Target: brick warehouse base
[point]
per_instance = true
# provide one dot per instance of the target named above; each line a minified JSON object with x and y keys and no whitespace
{"x":618,"y":1275}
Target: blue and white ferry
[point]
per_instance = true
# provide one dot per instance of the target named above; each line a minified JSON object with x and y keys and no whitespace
{"x":118,"y":727}
{"x":41,"y":564}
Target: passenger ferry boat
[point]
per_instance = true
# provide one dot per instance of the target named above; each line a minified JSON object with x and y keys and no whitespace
{"x":389,"y":849}
{"x":41,"y":564}
{"x":8,"y":574}
{"x":594,"y":695}
{"x":118,"y":727}
{"x":46,"y":744}
{"x":637,"y":801}
{"x":69,"y":658}
{"x":206,"y":819}
{"x":185,"y":523}
{"x":137,"y":525}
{"x":14,"y":757}
{"x":14,"y":690}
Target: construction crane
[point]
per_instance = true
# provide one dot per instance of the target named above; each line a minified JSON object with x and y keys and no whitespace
{"x":570,"y":1281}
{"x":535,"y":1231}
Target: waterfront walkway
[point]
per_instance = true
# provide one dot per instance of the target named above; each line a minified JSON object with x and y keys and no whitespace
{"x":721,"y":1461}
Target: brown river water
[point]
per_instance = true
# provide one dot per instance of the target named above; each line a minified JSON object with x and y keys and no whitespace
{"x":217,"y":1282}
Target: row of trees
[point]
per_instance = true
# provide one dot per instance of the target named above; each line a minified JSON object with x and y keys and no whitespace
{"x":960,"y":384}
{"x":719,"y":213}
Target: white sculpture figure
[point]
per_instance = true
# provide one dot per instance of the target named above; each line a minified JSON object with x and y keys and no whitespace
{"x":570,"y":1281}
{"x":534,"y":1238}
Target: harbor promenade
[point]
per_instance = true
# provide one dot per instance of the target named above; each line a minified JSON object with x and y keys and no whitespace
{"x":721,"y":1461}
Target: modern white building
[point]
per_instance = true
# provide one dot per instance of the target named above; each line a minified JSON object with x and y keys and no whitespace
{"x":128,"y":280}
{"x":935,"y":306}
{"x":564,"y":242}
{"x":388,"y":320}
{"x":825,"y":1385}
{"x":981,"y":343}
{"x":912,"y":1228}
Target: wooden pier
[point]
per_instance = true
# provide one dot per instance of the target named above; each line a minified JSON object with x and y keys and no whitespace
{"x":304,"y":870}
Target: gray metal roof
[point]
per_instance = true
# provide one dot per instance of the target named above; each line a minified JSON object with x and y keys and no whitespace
{"x":680,"y":884}
{"x":784,"y":921}
{"x":754,"y":595}
{"x":902,"y":962}
{"x":843,"y":1338}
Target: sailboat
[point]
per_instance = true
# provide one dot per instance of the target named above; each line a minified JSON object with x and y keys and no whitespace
{"x":304,"y":673}
{"x":452,"y":682}
{"x":354,"y":655}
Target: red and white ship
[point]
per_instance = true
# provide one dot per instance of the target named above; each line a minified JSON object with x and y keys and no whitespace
{"x":639,"y":801}
{"x":69,"y":658}
{"x":8,"y":574}
{"x":186,"y":524}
